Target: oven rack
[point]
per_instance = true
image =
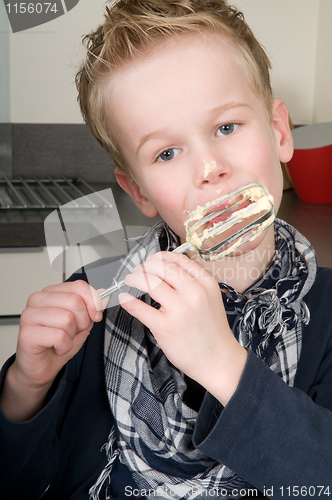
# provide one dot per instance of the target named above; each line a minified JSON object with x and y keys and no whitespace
{"x":49,"y":193}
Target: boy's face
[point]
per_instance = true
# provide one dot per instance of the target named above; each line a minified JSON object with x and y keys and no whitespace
{"x":186,"y":104}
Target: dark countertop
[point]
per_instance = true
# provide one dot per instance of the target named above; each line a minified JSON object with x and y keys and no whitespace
{"x":26,"y":228}
{"x":314,"y":221}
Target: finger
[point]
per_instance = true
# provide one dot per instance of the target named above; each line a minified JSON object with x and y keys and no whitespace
{"x":145,"y":313}
{"x":65,"y":345}
{"x":194,"y":269}
{"x":89,"y":295}
{"x":155,"y":266}
{"x":54,"y":317}
{"x":40,"y":338}
{"x":156,"y":272}
{"x":46,"y":308}
{"x":170,"y":270}
{"x":149,"y":283}
{"x":105,"y":300}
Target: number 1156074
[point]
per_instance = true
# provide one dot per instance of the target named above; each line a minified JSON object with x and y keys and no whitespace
{"x":305,"y":491}
{"x":31,"y":8}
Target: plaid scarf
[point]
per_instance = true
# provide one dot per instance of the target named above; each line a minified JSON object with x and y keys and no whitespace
{"x":154,"y":427}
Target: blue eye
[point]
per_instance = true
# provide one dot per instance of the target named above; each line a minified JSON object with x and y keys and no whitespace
{"x":169,"y":154}
{"x":227,"y":129}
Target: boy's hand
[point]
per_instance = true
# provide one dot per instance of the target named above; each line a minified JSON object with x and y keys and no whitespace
{"x":53,"y":328}
{"x":191,"y":326}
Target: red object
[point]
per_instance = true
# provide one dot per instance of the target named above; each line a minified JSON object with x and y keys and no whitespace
{"x":311,"y":174}
{"x":310,"y":169}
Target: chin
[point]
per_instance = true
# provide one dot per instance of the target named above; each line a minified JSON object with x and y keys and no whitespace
{"x":263,"y":244}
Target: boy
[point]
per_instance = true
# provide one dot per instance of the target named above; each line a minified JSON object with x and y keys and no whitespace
{"x":219,"y":382}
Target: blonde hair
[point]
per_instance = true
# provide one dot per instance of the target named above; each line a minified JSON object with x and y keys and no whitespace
{"x":131,"y":27}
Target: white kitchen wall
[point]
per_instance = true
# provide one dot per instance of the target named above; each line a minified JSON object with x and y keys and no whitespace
{"x":296,"y":35}
{"x":43,"y":64}
{"x":4,"y":66}
{"x":323,"y":85}
{"x":288,"y":31}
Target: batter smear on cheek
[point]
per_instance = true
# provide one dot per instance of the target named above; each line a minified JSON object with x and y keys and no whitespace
{"x":208,"y":167}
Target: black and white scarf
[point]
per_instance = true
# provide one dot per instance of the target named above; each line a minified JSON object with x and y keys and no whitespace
{"x":154,"y":427}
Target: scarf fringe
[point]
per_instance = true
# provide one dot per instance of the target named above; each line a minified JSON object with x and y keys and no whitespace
{"x":112,"y":455}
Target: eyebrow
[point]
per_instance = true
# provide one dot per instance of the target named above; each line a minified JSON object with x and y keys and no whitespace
{"x":230,"y":105}
{"x":161,"y":132}
{"x":153,"y":135}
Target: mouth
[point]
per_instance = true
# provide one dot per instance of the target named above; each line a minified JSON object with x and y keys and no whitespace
{"x":237,"y":217}
{"x":212,"y":206}
{"x":234,"y":206}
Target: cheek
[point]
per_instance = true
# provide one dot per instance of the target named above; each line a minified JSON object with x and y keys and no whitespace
{"x":277,"y":188}
{"x":265,"y":156}
{"x":170,"y":205}
{"x":267,"y":170}
{"x":167,"y":190}
{"x":164,"y":196}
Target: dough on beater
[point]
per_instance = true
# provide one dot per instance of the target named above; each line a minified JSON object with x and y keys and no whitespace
{"x":261,"y":200}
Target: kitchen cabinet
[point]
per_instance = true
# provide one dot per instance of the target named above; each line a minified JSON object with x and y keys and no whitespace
{"x":22,"y":272}
{"x":8,"y":338}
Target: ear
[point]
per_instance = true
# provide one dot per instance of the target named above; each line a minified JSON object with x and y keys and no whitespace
{"x":130,"y":186}
{"x":282,"y":130}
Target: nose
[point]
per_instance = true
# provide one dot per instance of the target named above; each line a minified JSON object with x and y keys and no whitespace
{"x":210,"y":162}
{"x":211,"y":171}
{"x":209,"y":167}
